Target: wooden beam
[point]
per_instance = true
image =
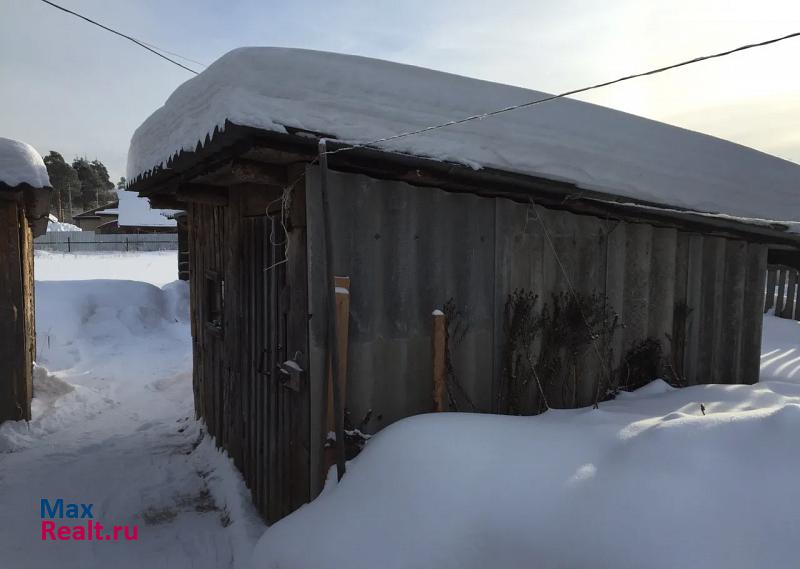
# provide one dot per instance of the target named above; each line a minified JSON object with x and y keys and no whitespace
{"x":203,"y":194}
{"x":250,"y":172}
{"x":166,"y":202}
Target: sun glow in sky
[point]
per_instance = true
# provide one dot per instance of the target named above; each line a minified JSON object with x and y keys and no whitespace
{"x":71,"y":87}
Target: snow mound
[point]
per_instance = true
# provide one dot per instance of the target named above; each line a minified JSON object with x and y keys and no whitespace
{"x":56,"y":403}
{"x":357,"y":100}
{"x":53,"y":225}
{"x":104,"y":326}
{"x":647,"y":480}
{"x":136,"y":211}
{"x":21,"y":164}
{"x":155,"y":267}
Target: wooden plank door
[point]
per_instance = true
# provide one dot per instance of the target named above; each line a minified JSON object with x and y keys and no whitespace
{"x":274,"y":400}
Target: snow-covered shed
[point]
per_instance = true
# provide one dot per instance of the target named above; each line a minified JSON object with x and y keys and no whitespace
{"x":575,"y":250}
{"x":24,"y":208}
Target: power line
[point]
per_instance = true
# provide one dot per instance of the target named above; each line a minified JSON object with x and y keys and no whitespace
{"x":127,"y":37}
{"x":178,"y":55}
{"x":564,"y":94}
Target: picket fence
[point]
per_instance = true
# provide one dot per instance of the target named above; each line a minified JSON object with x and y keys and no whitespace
{"x":782,"y":292}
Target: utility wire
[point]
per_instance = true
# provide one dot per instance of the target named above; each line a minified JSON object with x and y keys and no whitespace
{"x":127,"y":37}
{"x":565,"y":94}
{"x":178,"y":55}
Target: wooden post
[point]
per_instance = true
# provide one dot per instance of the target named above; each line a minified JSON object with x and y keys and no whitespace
{"x":439,"y":339}
{"x":343,"y":327}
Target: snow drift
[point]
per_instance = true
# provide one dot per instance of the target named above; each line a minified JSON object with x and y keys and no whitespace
{"x":648,"y":480}
{"x":55,"y":226}
{"x":357,"y":100}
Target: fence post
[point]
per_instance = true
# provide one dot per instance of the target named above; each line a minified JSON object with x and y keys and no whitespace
{"x":69,"y":245}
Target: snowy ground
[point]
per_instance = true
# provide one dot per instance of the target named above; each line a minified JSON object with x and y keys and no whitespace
{"x":113,"y":426}
{"x":661,"y":478}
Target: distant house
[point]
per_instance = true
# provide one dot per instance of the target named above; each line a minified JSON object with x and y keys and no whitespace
{"x":94,"y":219}
{"x":128,"y":214}
{"x":24,"y":199}
{"x":575,"y":250}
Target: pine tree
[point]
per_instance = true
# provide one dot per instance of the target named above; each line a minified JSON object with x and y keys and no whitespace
{"x":65,"y":183}
{"x":122,"y":183}
{"x":105,"y":185}
{"x":89,"y":183}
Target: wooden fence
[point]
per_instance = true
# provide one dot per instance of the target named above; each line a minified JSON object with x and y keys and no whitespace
{"x":90,"y":242}
{"x":782,"y":292}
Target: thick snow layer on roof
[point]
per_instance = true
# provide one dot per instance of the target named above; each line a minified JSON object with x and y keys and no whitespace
{"x":21,"y":164}
{"x":358,"y":100}
{"x":136,"y":211}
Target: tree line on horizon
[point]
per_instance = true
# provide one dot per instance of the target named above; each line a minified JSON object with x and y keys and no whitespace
{"x":78,"y":186}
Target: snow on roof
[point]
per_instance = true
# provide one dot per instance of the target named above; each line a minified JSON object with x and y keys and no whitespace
{"x":136,"y":211}
{"x":21,"y":164}
{"x":359,"y":99}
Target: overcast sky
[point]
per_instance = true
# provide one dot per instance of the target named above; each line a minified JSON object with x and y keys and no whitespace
{"x":68,"y":86}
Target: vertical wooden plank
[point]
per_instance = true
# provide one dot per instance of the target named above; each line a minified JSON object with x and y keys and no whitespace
{"x":343,"y":326}
{"x":439,"y":357}
{"x":752,"y":313}
{"x":712,"y":319}
{"x":780,"y":293}
{"x":661,"y":302}
{"x":29,"y":320}
{"x":694,"y":303}
{"x":681,"y":315}
{"x":733,"y":310}
{"x":12,"y":331}
{"x":791,"y":294}
{"x":616,"y":254}
{"x":772,"y":276}
{"x":636,"y":300}
{"x":297,"y":342}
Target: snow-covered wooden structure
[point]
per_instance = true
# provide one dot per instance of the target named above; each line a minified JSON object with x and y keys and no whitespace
{"x":24,"y":208}
{"x":667,"y":228}
{"x":128,"y":214}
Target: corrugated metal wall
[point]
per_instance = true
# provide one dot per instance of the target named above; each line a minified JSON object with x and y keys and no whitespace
{"x":408,"y":250}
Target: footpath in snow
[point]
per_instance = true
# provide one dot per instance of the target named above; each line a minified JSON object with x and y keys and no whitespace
{"x":113,"y":425}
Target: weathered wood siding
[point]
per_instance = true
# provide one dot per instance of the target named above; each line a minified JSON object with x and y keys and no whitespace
{"x":408,"y":250}
{"x":239,"y":392}
{"x":17,"y":334}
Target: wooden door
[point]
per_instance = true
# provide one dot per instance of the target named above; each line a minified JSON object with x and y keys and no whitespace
{"x":274,"y":401}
